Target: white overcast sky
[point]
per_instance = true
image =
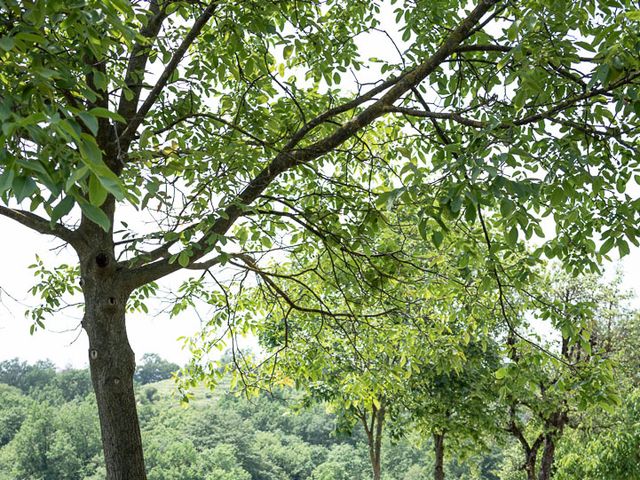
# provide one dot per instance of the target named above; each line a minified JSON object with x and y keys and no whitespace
{"x":148,"y":333}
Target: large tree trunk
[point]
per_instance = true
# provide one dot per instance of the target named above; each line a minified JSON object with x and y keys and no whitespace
{"x":438,"y":447}
{"x":112,"y":365}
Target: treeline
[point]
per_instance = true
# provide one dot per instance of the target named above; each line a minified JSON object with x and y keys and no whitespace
{"x":49,"y":431}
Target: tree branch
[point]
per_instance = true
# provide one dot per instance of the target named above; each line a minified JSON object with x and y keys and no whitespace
{"x":483,"y":48}
{"x":289,"y":158}
{"x":138,"y":60}
{"x":127,"y":134}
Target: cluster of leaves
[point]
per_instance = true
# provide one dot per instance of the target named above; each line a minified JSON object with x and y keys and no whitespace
{"x":426,"y":345}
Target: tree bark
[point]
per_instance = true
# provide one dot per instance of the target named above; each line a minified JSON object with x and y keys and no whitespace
{"x":530,"y":465}
{"x":112,"y":365}
{"x":548,"y":454}
{"x":374,"y":429}
{"x":377,"y":469}
{"x":377,"y":446}
{"x":438,"y":447}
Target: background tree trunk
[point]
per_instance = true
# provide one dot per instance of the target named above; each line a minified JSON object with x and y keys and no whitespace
{"x":377,"y":445}
{"x":373,"y":429}
{"x":112,"y":365}
{"x":438,"y":447}
{"x":548,"y":455}
{"x":530,"y":466}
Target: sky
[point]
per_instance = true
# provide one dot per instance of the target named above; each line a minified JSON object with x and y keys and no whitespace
{"x":62,"y":341}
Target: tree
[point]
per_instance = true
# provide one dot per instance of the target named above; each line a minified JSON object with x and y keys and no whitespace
{"x":164,"y":135}
{"x":605,"y":444}
{"x":458,"y":406}
{"x":27,"y":377}
{"x":74,"y":384}
{"x":545,"y":391}
{"x":385,"y":344}
{"x":13,"y":414}
{"x":54,"y":442}
{"x":154,"y":369}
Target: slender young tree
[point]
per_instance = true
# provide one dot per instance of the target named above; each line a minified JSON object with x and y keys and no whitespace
{"x":390,"y":343}
{"x":161,"y":135}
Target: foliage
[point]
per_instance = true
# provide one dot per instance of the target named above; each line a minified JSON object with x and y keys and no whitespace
{"x":41,"y":379}
{"x":153,"y":368}
{"x":24,"y":376}
{"x":574,"y":381}
{"x":269,"y":437}
{"x":158,"y":136}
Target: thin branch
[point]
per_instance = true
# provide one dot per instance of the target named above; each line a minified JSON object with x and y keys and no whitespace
{"x":215,"y":118}
{"x":127,"y":135}
{"x":437,"y":115}
{"x":138,"y":60}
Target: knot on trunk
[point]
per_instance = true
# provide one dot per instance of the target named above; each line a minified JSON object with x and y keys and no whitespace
{"x":102,"y":260}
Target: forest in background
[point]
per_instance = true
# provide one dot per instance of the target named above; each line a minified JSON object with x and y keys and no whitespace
{"x":49,"y":430}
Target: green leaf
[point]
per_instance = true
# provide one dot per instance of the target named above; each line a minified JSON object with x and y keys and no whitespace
{"x":501,"y":373}
{"x":288,"y":50}
{"x":6,"y":180}
{"x":512,"y":236}
{"x":105,"y":113}
{"x":100,"y":80}
{"x":507,"y":207}
{"x":90,"y":121}
{"x":6,"y":43}
{"x":95,"y":214}
{"x":183,"y":258}
{"x":623,"y":247}
{"x":23,"y":187}
{"x":422,"y":228}
{"x":607,"y":245}
{"x":242,"y":234}
{"x":90,"y":152}
{"x":97,"y":193}
{"x":31,"y":37}
{"x":63,"y":208}
{"x":633,"y":15}
{"x":437,"y":237}
{"x":92,"y":157}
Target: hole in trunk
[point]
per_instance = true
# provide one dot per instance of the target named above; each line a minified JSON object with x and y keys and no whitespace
{"x":93,"y":354}
{"x":112,"y":301}
{"x":102,"y":260}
